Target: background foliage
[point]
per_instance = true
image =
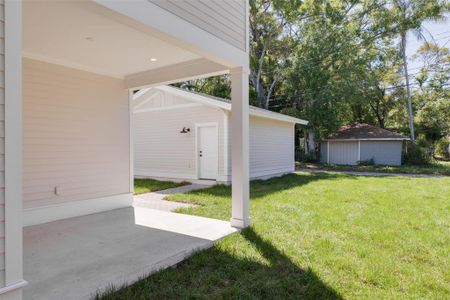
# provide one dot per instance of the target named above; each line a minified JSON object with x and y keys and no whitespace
{"x":339,"y":62}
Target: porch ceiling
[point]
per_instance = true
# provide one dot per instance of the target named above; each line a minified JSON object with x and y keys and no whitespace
{"x":80,"y":34}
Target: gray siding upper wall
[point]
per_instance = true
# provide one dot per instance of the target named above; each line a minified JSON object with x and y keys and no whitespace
{"x":225,"y":20}
{"x":382,"y":152}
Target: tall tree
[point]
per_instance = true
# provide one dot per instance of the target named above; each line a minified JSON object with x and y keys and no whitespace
{"x":432,"y":98}
{"x":271,"y":46}
{"x":409,"y":16}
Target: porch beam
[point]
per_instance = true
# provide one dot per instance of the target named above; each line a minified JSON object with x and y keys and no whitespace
{"x":193,"y":69}
{"x":240,"y":148}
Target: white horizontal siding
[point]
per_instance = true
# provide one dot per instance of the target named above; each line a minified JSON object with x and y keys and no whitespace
{"x":2,"y":145}
{"x":271,"y":147}
{"x":160,"y":150}
{"x":224,"y":19}
{"x":76,"y":135}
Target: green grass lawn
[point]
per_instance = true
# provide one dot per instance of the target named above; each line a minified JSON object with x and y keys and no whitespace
{"x":142,"y":186}
{"x":435,"y":168}
{"x":318,"y":236}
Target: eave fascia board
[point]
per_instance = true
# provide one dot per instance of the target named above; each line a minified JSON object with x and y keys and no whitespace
{"x":367,"y":139}
{"x":278,"y":117}
{"x":195,"y":97}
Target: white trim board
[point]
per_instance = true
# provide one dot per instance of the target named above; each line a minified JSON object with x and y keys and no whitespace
{"x":40,"y":215}
{"x":141,"y":93}
{"x":226,"y":137}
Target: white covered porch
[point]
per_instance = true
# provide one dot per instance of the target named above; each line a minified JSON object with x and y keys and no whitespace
{"x":71,"y":68}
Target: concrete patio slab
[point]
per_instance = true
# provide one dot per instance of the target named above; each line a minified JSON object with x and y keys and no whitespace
{"x":74,"y":258}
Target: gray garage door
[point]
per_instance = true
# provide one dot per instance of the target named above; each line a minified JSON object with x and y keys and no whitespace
{"x":343,"y":153}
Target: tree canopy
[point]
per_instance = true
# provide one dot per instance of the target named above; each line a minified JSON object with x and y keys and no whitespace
{"x":343,"y":61}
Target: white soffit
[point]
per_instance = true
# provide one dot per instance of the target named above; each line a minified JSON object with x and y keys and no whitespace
{"x":72,"y":33}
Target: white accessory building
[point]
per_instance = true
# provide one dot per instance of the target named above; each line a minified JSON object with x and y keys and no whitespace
{"x":186,"y":136}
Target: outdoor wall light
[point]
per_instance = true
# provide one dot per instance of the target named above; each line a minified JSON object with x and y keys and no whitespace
{"x":185,"y":130}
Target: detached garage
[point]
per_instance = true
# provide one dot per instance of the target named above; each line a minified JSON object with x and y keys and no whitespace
{"x":184,"y":135}
{"x":362,"y":142}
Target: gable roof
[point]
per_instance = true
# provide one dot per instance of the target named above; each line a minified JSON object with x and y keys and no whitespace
{"x":222,"y":103}
{"x":360,"y":131}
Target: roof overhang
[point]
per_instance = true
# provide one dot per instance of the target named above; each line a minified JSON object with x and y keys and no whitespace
{"x":208,"y":101}
{"x":366,"y":139}
{"x":109,"y":38}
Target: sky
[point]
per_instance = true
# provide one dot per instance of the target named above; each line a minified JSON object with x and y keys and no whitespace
{"x":441,"y":34}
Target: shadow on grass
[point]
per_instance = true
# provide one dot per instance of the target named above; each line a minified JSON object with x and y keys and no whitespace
{"x":262,"y":188}
{"x":237,"y":273}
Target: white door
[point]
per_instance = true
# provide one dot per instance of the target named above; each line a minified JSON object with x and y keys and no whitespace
{"x":208,"y":152}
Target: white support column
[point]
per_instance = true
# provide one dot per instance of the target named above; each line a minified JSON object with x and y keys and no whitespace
{"x":130,"y":124}
{"x":13,"y":152}
{"x":240,"y":148}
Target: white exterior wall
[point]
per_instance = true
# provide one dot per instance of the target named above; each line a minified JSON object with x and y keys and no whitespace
{"x":160,"y":150}
{"x":225,"y":20}
{"x":271,"y":147}
{"x":76,"y":135}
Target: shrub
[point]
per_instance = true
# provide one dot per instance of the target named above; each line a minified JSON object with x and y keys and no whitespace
{"x":416,"y":155}
{"x":368,"y":162}
{"x":311,"y":157}
{"x":442,"y":148}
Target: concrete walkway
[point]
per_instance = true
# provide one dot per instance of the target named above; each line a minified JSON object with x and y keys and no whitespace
{"x":155,"y":200}
{"x":370,"y":173}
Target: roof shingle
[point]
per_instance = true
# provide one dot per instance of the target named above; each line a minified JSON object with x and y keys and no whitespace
{"x":364,"y":131}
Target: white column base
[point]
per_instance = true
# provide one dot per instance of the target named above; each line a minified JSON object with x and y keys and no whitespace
{"x":238,"y":223}
{"x":12,"y":291}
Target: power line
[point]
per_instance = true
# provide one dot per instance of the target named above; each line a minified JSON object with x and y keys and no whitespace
{"x":434,"y":40}
{"x":440,"y":33}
